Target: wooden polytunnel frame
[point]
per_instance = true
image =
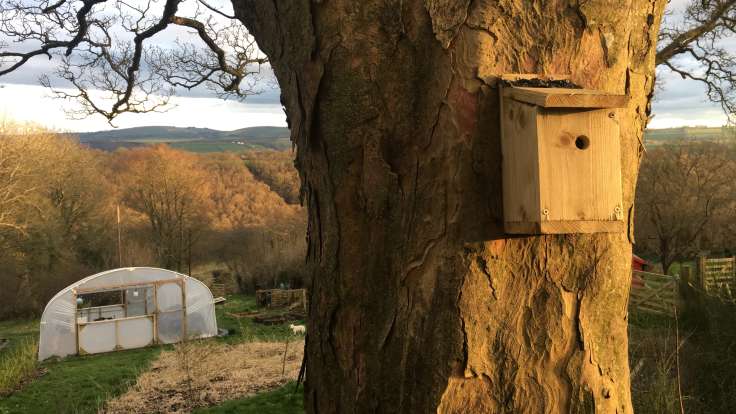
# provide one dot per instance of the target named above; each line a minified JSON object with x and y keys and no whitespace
{"x":152,"y":316}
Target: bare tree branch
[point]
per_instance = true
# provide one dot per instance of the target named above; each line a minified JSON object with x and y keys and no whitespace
{"x":105,"y":55}
{"x":706,"y":23}
{"x":228,"y":16}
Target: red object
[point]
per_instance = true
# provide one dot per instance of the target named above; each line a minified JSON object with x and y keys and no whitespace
{"x":637,"y":263}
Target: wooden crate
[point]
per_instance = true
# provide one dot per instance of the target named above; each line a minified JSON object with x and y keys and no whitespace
{"x":561,"y":160}
{"x":282,"y":298}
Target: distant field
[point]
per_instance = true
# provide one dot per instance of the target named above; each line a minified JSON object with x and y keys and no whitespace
{"x":262,"y":140}
{"x":190,"y":139}
{"x":213,"y":146}
{"x":154,"y":140}
{"x":198,"y":145}
{"x":659,"y":136}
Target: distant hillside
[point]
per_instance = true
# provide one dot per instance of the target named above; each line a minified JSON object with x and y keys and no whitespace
{"x":193,"y":139}
{"x":697,"y":133}
{"x":170,"y":133}
{"x":270,"y":137}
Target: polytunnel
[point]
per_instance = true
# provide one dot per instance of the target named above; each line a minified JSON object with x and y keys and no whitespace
{"x":125,"y":309}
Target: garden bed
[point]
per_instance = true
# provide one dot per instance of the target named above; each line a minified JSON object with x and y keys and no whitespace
{"x":204,"y":374}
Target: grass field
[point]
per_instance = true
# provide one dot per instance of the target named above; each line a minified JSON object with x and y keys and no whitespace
{"x":17,"y":331}
{"x":229,"y":145}
{"x":285,"y":400}
{"x":197,"y":145}
{"x":81,"y":384}
{"x":245,"y":329}
{"x":213,"y":146}
{"x":665,"y":135}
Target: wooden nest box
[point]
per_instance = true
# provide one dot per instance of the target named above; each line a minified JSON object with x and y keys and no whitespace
{"x":561,"y":160}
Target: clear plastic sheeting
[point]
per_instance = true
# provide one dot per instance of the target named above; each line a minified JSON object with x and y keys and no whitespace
{"x":139,"y":300}
{"x":201,"y":318}
{"x":170,"y":328}
{"x":169,"y":297}
{"x":157,"y":306}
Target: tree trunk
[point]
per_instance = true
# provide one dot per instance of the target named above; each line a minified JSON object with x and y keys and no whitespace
{"x":419,"y":301}
{"x":665,"y":257}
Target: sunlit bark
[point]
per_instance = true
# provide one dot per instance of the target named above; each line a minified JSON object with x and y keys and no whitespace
{"x":419,"y":302}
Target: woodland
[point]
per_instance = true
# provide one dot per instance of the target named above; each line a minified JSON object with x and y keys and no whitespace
{"x":60,"y":202}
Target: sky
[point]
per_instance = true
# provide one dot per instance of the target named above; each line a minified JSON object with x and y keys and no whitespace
{"x":33,"y":103}
{"x":678,"y":103}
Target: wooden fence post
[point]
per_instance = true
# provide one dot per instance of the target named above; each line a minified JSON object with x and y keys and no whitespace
{"x":685,"y":287}
{"x":304,"y":301}
{"x":701,"y":271}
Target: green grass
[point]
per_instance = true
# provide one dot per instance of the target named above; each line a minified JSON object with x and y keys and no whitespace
{"x":676,"y":267}
{"x":652,"y":359}
{"x":281,"y":401}
{"x":674,"y":134}
{"x":213,"y":146}
{"x":18,"y":331}
{"x":244,"y":329}
{"x":643,"y":320}
{"x":79,"y":384}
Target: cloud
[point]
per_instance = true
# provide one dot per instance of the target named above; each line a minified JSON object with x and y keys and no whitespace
{"x":34,"y":104}
{"x":683,"y":102}
{"x":35,"y":68}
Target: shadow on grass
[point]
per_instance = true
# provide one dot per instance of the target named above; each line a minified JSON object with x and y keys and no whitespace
{"x":281,"y":401}
{"x":79,"y":384}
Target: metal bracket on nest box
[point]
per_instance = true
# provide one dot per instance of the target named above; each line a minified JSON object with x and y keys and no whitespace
{"x":561,"y":156}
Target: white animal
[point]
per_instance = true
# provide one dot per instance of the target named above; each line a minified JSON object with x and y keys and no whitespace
{"x":298,"y":329}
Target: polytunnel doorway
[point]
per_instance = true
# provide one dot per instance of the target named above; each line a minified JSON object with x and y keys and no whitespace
{"x":139,"y":320}
{"x":126,"y":309}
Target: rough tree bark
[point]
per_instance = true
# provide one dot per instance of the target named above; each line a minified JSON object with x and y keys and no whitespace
{"x":419,"y":302}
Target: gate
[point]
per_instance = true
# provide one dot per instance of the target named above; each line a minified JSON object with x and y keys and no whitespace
{"x":717,"y":276}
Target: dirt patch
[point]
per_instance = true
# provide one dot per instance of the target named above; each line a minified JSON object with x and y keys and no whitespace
{"x":204,"y":374}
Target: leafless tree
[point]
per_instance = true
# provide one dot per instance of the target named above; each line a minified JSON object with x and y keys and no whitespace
{"x":700,"y":34}
{"x":682,"y":189}
{"x":104,"y":45}
{"x":22,"y":151}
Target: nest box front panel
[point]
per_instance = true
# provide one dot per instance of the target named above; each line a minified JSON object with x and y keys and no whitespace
{"x":579,"y":165}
